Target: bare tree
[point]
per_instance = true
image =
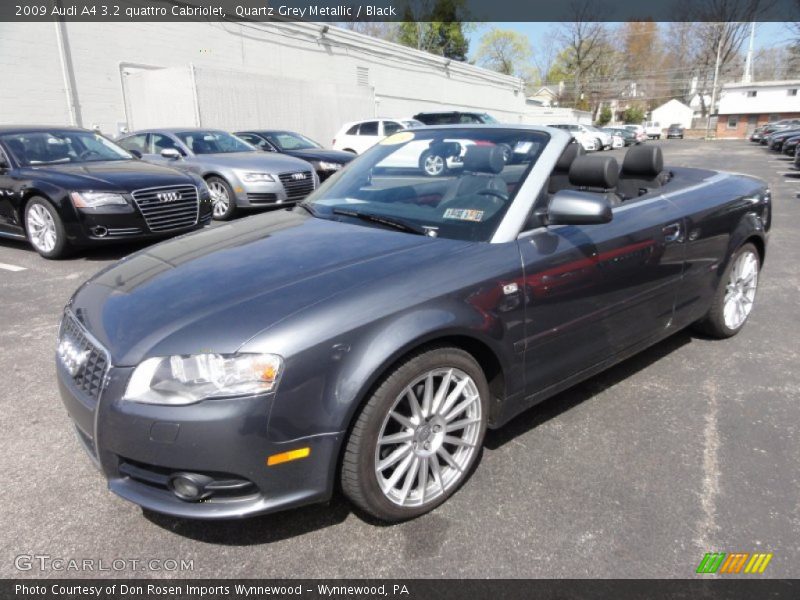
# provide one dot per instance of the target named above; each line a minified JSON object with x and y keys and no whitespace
{"x":377,"y":29}
{"x":584,"y":40}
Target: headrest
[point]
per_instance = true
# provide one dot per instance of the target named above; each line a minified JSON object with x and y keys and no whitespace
{"x":643,"y":161}
{"x":594,"y":172}
{"x":484,"y":159}
{"x":569,"y":154}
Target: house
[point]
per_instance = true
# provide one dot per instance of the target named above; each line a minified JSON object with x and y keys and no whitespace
{"x":546,"y":96}
{"x":673,"y":112}
{"x":744,"y":106}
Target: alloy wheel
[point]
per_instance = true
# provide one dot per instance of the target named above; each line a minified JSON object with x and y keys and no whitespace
{"x":740,"y":291}
{"x":429,"y":438}
{"x":41,"y":228}
{"x":434,"y":164}
{"x":220,"y":200}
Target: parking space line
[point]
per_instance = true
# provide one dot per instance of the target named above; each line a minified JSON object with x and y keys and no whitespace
{"x":8,"y":267}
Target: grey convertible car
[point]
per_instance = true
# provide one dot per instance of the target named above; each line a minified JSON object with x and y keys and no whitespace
{"x":238,"y":175}
{"x":365,"y":339}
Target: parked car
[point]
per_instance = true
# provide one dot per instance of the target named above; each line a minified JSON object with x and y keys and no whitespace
{"x":639,"y":131}
{"x":455,"y":117}
{"x":628,"y":136}
{"x":675,"y":131}
{"x":776,"y":139}
{"x":238,"y":175}
{"x":757,"y":134}
{"x":776,"y":126}
{"x":325,"y":162}
{"x":653,"y":130}
{"x":790,"y":145}
{"x":366,"y":339}
{"x":66,"y":187}
{"x":588,"y":141}
{"x":617,"y":139}
{"x":360,"y":136}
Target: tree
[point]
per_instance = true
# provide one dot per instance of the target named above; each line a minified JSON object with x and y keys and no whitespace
{"x":377,"y":29}
{"x":633,"y":114}
{"x":435,"y":26}
{"x":605,"y":116}
{"x":504,"y":51}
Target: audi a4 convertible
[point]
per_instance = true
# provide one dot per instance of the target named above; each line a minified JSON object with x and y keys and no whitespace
{"x":365,"y":339}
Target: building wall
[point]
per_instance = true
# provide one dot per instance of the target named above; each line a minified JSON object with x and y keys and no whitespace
{"x":673,"y":112}
{"x":745,"y":123}
{"x":778,"y":97}
{"x":400,"y":80}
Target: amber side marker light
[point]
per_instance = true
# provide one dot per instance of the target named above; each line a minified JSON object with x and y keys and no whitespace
{"x":283,"y":457}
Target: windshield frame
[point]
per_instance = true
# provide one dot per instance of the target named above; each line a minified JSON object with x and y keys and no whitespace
{"x":62,"y":133}
{"x":183,"y":135}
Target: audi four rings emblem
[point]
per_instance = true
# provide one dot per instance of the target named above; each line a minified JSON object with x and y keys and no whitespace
{"x":169,"y":196}
{"x":298,"y":175}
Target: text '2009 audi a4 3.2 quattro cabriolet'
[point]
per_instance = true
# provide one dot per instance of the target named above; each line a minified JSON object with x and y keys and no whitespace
{"x":68,"y":187}
{"x":365,"y":339}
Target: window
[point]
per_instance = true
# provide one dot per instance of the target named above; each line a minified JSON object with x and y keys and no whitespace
{"x":257,"y":141}
{"x":733,"y":121}
{"x":752,"y":94}
{"x":353,"y":130}
{"x":368,"y":128}
{"x":213,"y":142}
{"x":791,"y":92}
{"x":135,"y":142}
{"x":162,"y":142}
{"x":467,"y":118}
{"x":752,"y":119}
{"x":390,"y":127}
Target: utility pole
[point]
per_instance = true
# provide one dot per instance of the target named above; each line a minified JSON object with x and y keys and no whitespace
{"x":716,"y":77}
{"x":748,"y":65}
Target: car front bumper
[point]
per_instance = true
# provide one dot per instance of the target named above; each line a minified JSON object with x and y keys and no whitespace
{"x":139,"y":447}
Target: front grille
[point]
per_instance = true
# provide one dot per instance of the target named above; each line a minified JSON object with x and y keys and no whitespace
{"x":297,"y":189}
{"x":167,"y":208}
{"x":123,"y":231}
{"x":261,"y":198}
{"x":90,"y":371}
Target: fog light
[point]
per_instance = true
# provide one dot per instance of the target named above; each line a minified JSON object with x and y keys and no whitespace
{"x":190,"y":486}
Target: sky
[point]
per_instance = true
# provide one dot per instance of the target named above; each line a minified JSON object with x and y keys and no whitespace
{"x":767,"y":34}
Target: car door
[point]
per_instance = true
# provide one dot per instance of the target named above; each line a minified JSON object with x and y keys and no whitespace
{"x":368,"y":136}
{"x":594,"y":292}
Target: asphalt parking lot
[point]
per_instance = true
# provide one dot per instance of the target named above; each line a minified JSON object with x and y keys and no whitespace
{"x":687,"y":448}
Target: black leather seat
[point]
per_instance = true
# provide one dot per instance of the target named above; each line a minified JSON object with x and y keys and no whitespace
{"x":596,"y":174}
{"x":559,"y":178}
{"x":482,"y":166}
{"x":642,"y":171}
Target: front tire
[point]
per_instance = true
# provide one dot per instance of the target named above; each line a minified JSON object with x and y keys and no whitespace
{"x":44,"y":229}
{"x":419,"y":435}
{"x":735,"y":295}
{"x":223,"y":201}
{"x":433,"y":164}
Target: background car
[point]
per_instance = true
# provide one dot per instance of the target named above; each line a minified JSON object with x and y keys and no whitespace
{"x":325,"y":162}
{"x":238,"y":175}
{"x":454,"y":117}
{"x":359,"y":136}
{"x":628,"y":136}
{"x":653,"y":130}
{"x":638,"y":130}
{"x":589,"y":141}
{"x":67,"y":187}
{"x":790,"y":145}
{"x":776,"y":139}
{"x":675,"y":131}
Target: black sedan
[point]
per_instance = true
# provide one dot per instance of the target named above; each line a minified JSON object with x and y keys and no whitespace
{"x":675,"y":131}
{"x":325,"y":162}
{"x":628,"y":136}
{"x":67,"y":187}
{"x":790,"y":145}
{"x":366,"y":339}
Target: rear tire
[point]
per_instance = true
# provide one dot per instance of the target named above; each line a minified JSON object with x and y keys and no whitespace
{"x":405,"y":457}
{"x":735,"y":295}
{"x":433,"y":164}
{"x":44,"y":229}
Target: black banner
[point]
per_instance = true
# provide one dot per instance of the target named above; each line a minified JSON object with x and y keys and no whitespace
{"x":400,"y":10}
{"x":441,"y":589}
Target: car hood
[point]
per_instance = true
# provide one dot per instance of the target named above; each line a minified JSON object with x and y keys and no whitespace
{"x":214,"y":290}
{"x":272,"y":162}
{"x":113,"y":175}
{"x":322,"y":154}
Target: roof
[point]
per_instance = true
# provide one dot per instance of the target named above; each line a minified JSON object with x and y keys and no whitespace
{"x":778,"y":83}
{"x":673,"y":102}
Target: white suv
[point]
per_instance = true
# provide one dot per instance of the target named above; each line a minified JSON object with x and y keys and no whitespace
{"x":358,"y":136}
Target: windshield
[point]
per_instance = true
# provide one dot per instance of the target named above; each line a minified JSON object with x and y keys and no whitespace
{"x":286,"y":140}
{"x":451,"y":183}
{"x":61,"y":147}
{"x":213,"y":142}
{"x":487,"y":118}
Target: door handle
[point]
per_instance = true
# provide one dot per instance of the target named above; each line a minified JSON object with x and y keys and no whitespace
{"x":672,"y":233}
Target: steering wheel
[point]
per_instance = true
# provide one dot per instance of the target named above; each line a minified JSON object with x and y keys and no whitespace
{"x":496,"y":193}
{"x":87,"y":153}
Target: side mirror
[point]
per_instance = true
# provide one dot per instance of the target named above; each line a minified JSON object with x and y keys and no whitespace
{"x":136,"y":153}
{"x":170,"y":153}
{"x":573,"y":207}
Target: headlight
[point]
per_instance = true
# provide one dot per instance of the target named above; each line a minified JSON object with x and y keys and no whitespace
{"x":254,"y":177}
{"x":178,"y":380}
{"x":95,"y":199}
{"x":327,"y":166}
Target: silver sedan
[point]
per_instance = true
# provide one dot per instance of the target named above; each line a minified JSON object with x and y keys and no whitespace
{"x":238,"y":175}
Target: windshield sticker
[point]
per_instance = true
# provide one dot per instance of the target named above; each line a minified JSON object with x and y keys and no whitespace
{"x":463,"y":214}
{"x":398,"y":138}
